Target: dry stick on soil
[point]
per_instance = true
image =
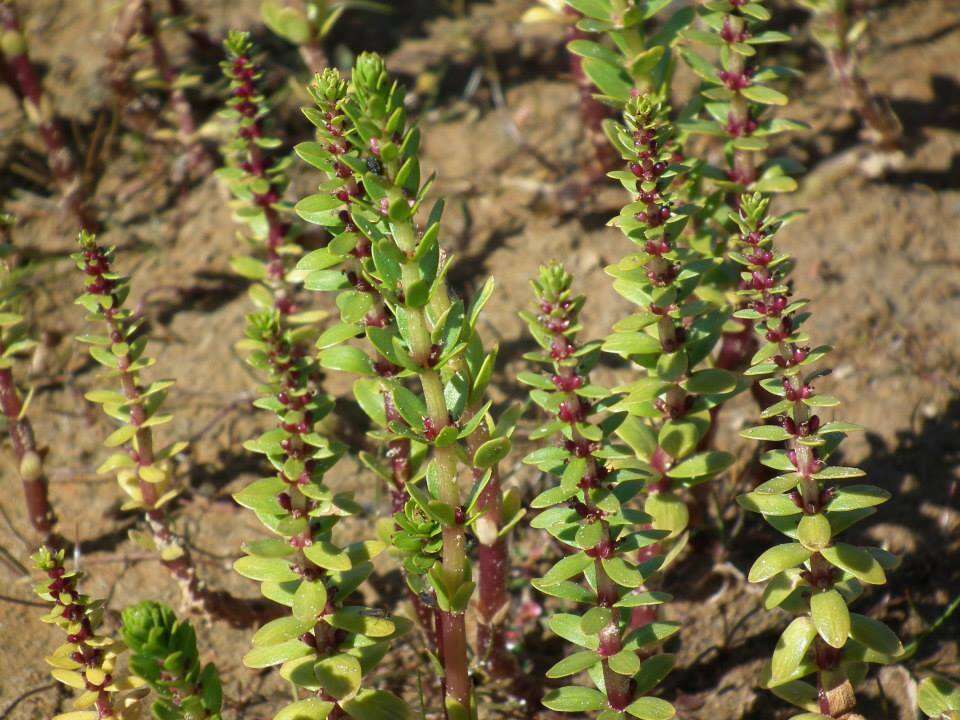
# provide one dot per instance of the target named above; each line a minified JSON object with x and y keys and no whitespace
{"x":813,"y":575}
{"x":27,"y":455}
{"x":26,"y":85}
{"x":838,"y":38}
{"x":143,"y":472}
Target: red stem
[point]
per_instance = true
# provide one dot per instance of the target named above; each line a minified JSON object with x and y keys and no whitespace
{"x":197,"y":158}
{"x":29,"y":461}
{"x":26,"y":85}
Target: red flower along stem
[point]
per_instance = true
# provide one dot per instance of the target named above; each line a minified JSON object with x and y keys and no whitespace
{"x":26,"y":85}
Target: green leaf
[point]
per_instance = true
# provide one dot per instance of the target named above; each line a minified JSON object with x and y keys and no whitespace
{"x":937,"y":695}
{"x":346,"y":358}
{"x":764,"y":95}
{"x":792,"y":647}
{"x":856,"y":561}
{"x":574,"y":699}
{"x":777,"y":559}
{"x":854,"y":497}
{"x":309,"y":601}
{"x":278,"y":631}
{"x":339,"y":675}
{"x":775,"y":184}
{"x":309,"y":709}
{"x":567,"y":567}
{"x":701,"y":465}
{"x":491,"y":452}
{"x":710,"y":382}
{"x":831,"y":617}
{"x":377,"y":705}
{"x":611,"y":80}
{"x":765,"y":432}
{"x":875,"y":635}
{"x":120,"y":436}
{"x":327,"y":555}
{"x":267,"y":655}
{"x":261,"y":568}
{"x":573,"y":664}
{"x":651,"y":708}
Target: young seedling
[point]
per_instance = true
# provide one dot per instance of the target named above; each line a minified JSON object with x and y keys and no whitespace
{"x":813,"y":575}
{"x":144,"y":472}
{"x":589,"y":513}
{"x":838,"y":36}
{"x":163,"y":654}
{"x":88,"y":660}
{"x":27,"y":456}
{"x":25,"y":83}
{"x":307,"y":23}
{"x":327,"y":645}
{"x":379,"y":249}
{"x":939,"y":699}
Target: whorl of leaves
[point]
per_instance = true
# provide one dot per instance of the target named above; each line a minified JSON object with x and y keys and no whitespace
{"x":163,"y":653}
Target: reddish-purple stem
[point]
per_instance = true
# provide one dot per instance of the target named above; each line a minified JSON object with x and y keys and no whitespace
{"x":29,"y":461}
{"x":26,"y":85}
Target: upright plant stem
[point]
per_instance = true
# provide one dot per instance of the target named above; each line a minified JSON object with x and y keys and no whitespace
{"x":879,"y":118}
{"x":197,"y":159}
{"x":26,"y":84}
{"x":453,"y":626}
{"x":29,"y":461}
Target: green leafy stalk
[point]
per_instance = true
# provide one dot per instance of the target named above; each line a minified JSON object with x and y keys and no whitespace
{"x":838,"y":36}
{"x":143,"y":472}
{"x":257,"y":178}
{"x":339,"y":266}
{"x":14,"y":340}
{"x":735,"y":94}
{"x":672,"y":335}
{"x":87,"y":661}
{"x":326,"y":646}
{"x":379,"y":250}
{"x":163,"y":653}
{"x":814,"y":575}
{"x":588,"y":512}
